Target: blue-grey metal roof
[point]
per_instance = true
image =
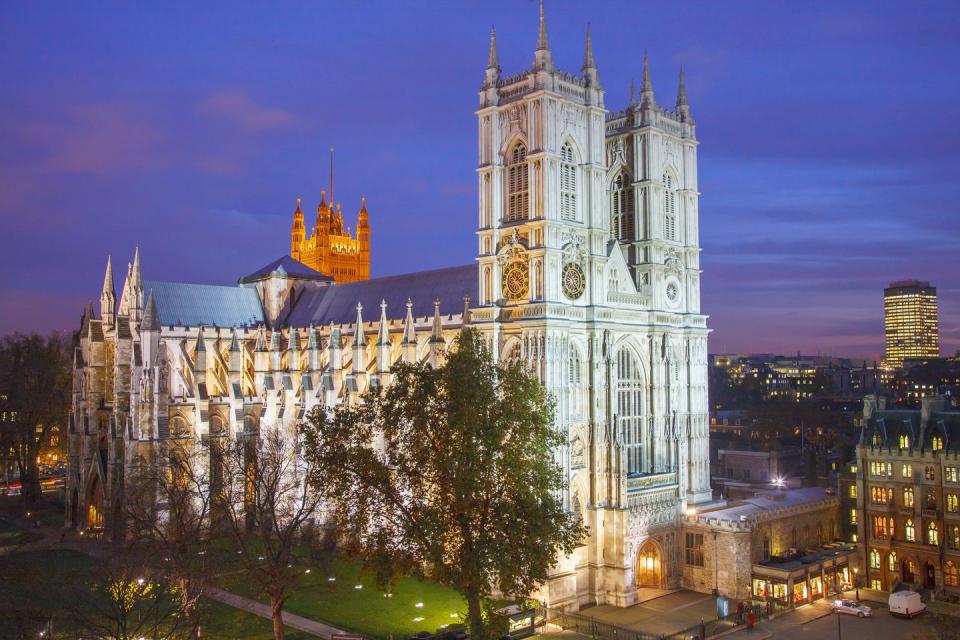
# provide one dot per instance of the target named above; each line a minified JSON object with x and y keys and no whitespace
{"x":191,"y":305}
{"x":289,"y":266}
{"x":338,"y":303}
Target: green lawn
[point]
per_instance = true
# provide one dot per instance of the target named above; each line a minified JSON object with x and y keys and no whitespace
{"x":367,"y":610}
{"x":222,"y":622}
{"x":11,"y":534}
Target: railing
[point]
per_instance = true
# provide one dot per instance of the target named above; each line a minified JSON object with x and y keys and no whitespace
{"x":640,"y":483}
{"x":587,"y":626}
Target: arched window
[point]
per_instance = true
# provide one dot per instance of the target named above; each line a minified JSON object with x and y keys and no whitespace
{"x":892,"y":561}
{"x":875,"y":440}
{"x":623,"y":209}
{"x":908,"y":497}
{"x":950,"y":577}
{"x":574,"y":379}
{"x":933,"y":535}
{"x":908,"y":531}
{"x":630,"y":407}
{"x":568,"y":183}
{"x":953,"y":504}
{"x":904,"y":441}
{"x":669,"y":208}
{"x":937,"y":443}
{"x":874,"y":559}
{"x":954,"y":537}
{"x":518,"y":184}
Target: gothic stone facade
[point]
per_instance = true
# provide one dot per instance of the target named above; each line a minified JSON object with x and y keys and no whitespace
{"x":587,"y":270}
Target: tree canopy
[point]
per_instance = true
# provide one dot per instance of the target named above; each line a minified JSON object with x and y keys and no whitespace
{"x":449,"y":473}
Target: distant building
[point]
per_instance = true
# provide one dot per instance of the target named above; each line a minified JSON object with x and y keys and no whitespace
{"x":331,"y":248}
{"x":740,"y":472}
{"x":908,"y":496}
{"x":910,"y":322}
{"x":776,"y":546}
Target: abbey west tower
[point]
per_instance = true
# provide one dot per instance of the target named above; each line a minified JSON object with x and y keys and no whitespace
{"x":588,"y":262}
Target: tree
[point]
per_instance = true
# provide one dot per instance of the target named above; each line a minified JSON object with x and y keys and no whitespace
{"x":35,"y":387}
{"x":267,"y":508}
{"x":167,"y":505}
{"x":449,"y":473}
{"x":123,"y":598}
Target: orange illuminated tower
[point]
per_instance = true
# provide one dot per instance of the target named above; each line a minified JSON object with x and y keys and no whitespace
{"x":331,"y":248}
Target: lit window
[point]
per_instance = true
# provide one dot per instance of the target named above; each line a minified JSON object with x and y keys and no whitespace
{"x":874,"y":559}
{"x":933,"y":536}
{"x":950,"y":577}
{"x":852,"y":491}
{"x":908,"y":531}
{"x":904,"y":441}
{"x":937,"y":443}
{"x":892,"y":561}
{"x":952,"y":503}
{"x":907,"y":471}
{"x":875,"y":584}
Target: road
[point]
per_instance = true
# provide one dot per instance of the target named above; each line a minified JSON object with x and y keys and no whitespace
{"x":816,"y":622}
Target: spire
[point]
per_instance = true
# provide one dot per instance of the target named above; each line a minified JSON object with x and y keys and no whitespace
{"x":493,"y":60}
{"x":293,"y":340}
{"x":437,"y":333}
{"x":358,"y":331}
{"x":275,"y":341}
{"x":312,"y":341}
{"x":383,"y":331}
{"x":542,"y":59}
{"x":589,"y":64}
{"x":363,"y":216}
{"x":323,"y":198}
{"x":331,"y":176}
{"x":409,"y":332}
{"x":151,"y":317}
{"x":542,"y":43}
{"x":137,"y":282}
{"x":261,"y":344}
{"x":234,"y":342}
{"x":682,"y":107}
{"x":200,"y":345}
{"x":108,"y":278}
{"x":298,"y":211}
{"x":465,"y":319}
{"x":646,"y":87}
{"x":633,"y":92}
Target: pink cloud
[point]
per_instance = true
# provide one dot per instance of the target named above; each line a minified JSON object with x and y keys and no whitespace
{"x":238,"y":108}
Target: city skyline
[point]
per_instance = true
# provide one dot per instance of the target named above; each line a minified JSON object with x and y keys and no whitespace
{"x":213,"y":127}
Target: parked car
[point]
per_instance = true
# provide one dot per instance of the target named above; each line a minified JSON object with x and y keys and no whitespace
{"x":906,"y":604}
{"x":851,"y":607}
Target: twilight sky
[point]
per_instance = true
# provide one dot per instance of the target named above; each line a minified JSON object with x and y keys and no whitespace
{"x":829,"y":156}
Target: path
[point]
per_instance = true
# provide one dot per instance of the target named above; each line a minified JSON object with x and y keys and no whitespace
{"x":252,"y":606}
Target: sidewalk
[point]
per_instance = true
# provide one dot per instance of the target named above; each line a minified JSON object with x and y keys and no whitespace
{"x":256,"y":608}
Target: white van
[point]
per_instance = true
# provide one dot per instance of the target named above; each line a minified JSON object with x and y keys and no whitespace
{"x":906,"y":604}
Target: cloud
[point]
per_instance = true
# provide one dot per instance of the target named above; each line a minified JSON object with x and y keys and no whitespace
{"x":239,"y":109}
{"x":94,"y":138}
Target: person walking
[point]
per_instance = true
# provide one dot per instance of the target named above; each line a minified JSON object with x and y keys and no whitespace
{"x":751,"y":620}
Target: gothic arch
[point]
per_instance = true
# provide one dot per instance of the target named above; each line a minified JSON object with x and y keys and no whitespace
{"x":511,"y":350}
{"x":507,"y":147}
{"x":630,"y":404}
{"x":650,"y":565}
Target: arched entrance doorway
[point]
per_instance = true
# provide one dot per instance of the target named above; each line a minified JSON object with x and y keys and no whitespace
{"x":649,"y":565}
{"x":95,"y":504}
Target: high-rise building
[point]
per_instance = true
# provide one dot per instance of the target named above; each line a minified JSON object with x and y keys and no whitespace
{"x":910,"y":320}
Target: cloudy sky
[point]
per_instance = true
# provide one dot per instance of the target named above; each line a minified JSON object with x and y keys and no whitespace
{"x":829,"y":157}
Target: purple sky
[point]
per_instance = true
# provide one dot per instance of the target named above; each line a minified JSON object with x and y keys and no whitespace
{"x":829,"y":157}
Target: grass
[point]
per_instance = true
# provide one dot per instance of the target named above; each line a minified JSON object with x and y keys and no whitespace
{"x":366,"y":610}
{"x":10,"y":534}
{"x":223,"y":622}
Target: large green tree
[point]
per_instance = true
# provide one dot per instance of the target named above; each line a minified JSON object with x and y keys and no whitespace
{"x":35,"y":387}
{"x":449,"y":473}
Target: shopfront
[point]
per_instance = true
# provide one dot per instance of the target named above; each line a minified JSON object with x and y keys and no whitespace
{"x":804,"y":579}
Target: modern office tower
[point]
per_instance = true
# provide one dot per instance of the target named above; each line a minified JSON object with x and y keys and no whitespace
{"x":910,"y":320}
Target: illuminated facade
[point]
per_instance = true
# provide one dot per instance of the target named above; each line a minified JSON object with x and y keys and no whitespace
{"x":331,"y":248}
{"x":910,"y":322}
{"x":587,"y":271}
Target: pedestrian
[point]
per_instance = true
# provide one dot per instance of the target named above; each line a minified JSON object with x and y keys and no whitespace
{"x":740,"y":612}
{"x":702,"y":634}
{"x":751,"y":620}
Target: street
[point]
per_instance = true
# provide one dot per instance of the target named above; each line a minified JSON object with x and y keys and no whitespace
{"x":816,"y":621}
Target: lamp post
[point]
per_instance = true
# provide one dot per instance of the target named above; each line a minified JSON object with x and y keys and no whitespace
{"x":839,"y":633}
{"x":856,"y":581}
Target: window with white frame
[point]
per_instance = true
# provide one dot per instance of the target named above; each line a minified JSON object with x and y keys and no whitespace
{"x":518,"y":184}
{"x":630,"y":407}
{"x":623,"y":210}
{"x":669,"y":207}
{"x":568,"y":183}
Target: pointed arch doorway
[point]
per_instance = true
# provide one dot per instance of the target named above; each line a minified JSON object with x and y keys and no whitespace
{"x":650,"y":565}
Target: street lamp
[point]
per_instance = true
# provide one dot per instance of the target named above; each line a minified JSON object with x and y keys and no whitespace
{"x":856,"y":581}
